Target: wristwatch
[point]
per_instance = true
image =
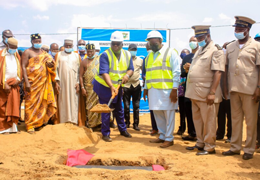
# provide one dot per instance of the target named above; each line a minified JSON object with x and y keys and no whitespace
{"x":127,"y":75}
{"x":211,"y":93}
{"x":258,"y":86}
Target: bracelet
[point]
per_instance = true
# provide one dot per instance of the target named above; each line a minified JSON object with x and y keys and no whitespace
{"x":127,"y":75}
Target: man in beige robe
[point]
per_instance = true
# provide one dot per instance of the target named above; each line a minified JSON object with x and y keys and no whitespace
{"x":67,"y":84}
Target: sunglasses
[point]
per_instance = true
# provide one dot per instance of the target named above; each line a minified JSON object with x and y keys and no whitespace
{"x":116,"y":43}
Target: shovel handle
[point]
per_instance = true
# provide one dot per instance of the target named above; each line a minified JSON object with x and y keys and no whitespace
{"x":114,"y":94}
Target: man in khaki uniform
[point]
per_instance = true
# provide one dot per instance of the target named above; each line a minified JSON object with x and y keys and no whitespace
{"x":204,"y":90}
{"x":242,"y":71}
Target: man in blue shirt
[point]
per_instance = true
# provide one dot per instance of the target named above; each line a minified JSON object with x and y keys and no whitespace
{"x":104,"y":85}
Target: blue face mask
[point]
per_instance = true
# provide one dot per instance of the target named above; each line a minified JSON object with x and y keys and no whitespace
{"x":37,"y":46}
{"x":202,"y":43}
{"x":81,"y":48}
{"x":91,"y":57}
{"x":53,"y":53}
{"x":240,"y":36}
{"x":68,"y":50}
{"x":6,"y":40}
{"x":193,"y":45}
{"x":11,"y":51}
{"x":133,"y":53}
{"x":97,"y":53}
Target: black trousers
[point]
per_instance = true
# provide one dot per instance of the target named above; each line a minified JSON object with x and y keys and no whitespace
{"x":135,"y":93}
{"x":188,"y":112}
{"x":182,"y":126}
{"x":223,"y":113}
{"x":154,"y":125}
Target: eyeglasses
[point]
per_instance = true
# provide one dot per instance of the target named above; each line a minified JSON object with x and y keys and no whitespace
{"x":116,"y":43}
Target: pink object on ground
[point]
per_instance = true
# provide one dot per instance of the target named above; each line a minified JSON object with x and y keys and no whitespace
{"x":78,"y":157}
{"x":158,"y":168}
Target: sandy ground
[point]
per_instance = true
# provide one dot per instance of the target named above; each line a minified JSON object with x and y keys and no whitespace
{"x":41,"y":156}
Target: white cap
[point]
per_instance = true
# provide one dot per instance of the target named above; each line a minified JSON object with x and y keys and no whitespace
{"x":117,"y":36}
{"x":154,"y":34}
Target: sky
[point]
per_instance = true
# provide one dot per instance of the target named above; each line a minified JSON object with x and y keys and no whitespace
{"x":64,"y":16}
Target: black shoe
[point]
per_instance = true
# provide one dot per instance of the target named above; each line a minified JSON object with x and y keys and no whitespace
{"x":190,"y":148}
{"x":136,"y":128}
{"x":230,"y":153}
{"x":247,"y":156}
{"x":112,"y":125}
{"x":126,"y":134}
{"x":179,"y":133}
{"x":107,"y":138}
{"x":206,"y":152}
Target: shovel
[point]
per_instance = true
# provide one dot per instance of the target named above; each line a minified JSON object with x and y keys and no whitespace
{"x":103,"y":108}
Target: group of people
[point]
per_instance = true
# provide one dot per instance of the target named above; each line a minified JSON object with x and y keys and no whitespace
{"x":62,"y":85}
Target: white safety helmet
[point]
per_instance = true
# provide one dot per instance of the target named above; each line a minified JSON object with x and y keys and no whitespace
{"x":117,"y":36}
{"x":154,"y":34}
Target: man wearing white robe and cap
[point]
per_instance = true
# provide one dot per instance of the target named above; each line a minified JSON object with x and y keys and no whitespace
{"x":67,"y":85}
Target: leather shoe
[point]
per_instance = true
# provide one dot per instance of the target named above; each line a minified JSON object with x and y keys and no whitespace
{"x":230,"y":153}
{"x":190,"y":148}
{"x":153,"y":132}
{"x":157,"y":141}
{"x":247,"y":156}
{"x":206,"y":152}
{"x":107,"y":138}
{"x":126,"y":134}
{"x":136,"y":128}
{"x":189,"y":138}
{"x":112,"y":124}
{"x":179,"y":133}
{"x":167,"y":144}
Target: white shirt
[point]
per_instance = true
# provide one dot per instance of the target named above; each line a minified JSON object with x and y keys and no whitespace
{"x":11,"y":67}
{"x":160,"y":99}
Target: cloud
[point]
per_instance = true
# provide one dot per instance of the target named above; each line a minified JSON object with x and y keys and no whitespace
{"x":207,"y":20}
{"x":226,"y":18}
{"x":43,"y":5}
{"x":41,"y":17}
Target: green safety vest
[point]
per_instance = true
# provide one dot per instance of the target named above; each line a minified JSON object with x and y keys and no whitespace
{"x":159,"y":71}
{"x":117,"y":68}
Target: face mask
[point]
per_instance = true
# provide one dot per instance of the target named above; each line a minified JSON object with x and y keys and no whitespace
{"x":91,"y":57}
{"x":6,"y":40}
{"x":240,"y":36}
{"x":11,"y":51}
{"x":133,"y":53}
{"x":53,"y":53}
{"x":193,"y":45}
{"x":202,"y":43}
{"x":155,"y":48}
{"x":149,"y":51}
{"x":68,"y":50}
{"x":81,"y":48}
{"x":37,"y":46}
{"x":97,"y":53}
{"x":224,"y":50}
